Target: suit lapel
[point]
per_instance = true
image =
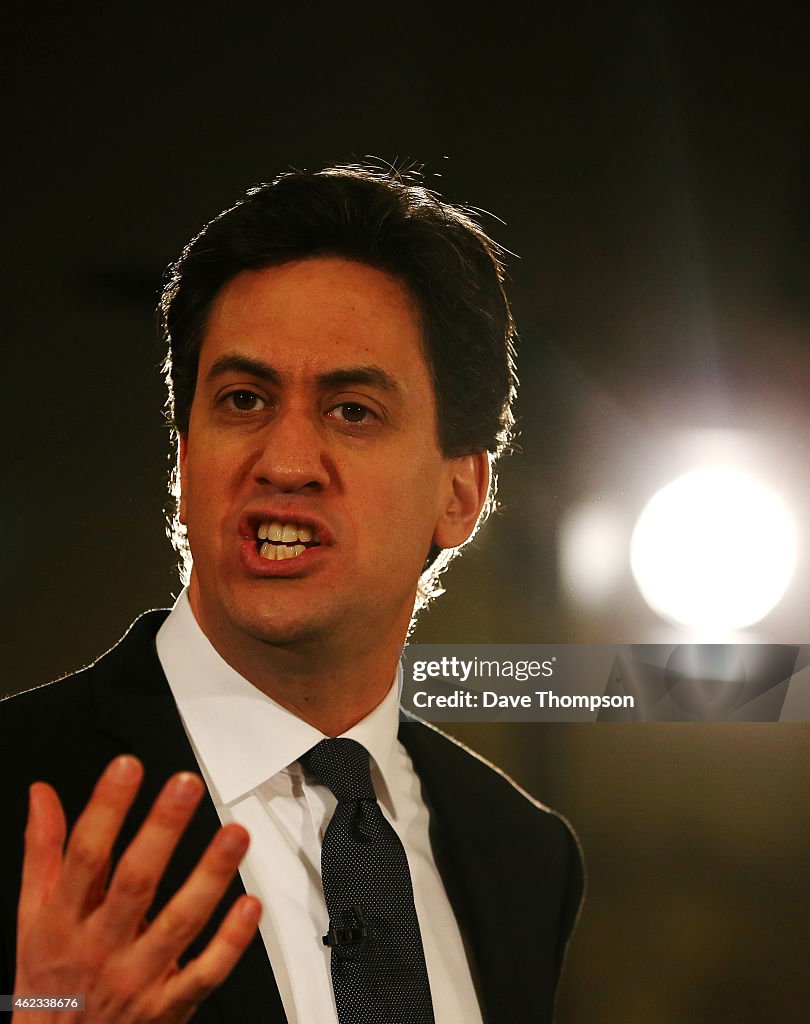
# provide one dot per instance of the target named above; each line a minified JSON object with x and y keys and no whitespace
{"x":486,"y":889}
{"x":135,"y":705}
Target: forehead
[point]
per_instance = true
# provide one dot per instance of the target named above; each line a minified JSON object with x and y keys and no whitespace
{"x":319,"y":312}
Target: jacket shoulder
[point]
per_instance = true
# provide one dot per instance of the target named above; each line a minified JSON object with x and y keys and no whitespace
{"x":139,"y":633}
{"x":472,"y":776}
{"x":51,"y":732}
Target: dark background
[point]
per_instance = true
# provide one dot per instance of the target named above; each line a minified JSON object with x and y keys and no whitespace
{"x":651,"y":165}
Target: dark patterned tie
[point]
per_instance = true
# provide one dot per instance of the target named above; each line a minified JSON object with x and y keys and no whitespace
{"x":378,"y":964}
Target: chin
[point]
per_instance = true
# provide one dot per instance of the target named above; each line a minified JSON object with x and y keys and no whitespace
{"x":279,"y":626}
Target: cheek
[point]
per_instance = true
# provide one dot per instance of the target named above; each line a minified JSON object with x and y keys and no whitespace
{"x":206,"y":474}
{"x":199,"y":500}
{"x":181,"y":476}
{"x":407,"y":509}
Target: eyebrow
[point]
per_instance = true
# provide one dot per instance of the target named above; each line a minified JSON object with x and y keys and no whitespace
{"x":364,"y":374}
{"x":233,"y":363}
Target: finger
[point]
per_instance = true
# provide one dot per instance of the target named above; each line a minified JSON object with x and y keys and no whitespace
{"x":91,"y":841}
{"x":141,"y":866}
{"x":98,"y":890}
{"x":205,"y":973}
{"x":185,"y":915}
{"x":45,"y":834}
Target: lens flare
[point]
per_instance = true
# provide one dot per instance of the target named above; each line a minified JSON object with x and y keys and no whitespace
{"x":714,"y":550}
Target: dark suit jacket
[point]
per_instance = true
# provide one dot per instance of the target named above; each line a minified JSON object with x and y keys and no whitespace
{"x":512,"y":869}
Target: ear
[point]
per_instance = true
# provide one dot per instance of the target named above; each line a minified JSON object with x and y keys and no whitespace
{"x":466,"y":492}
{"x":182,"y":452}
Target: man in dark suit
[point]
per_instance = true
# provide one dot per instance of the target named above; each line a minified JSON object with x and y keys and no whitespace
{"x":340,"y":379}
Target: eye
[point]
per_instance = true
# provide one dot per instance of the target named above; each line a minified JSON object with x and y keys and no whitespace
{"x":244,"y":401}
{"x":352,"y":412}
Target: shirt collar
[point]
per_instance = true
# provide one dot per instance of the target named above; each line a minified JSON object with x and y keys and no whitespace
{"x":243,"y":736}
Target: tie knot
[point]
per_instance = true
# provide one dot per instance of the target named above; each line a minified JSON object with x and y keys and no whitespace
{"x":343,"y":766}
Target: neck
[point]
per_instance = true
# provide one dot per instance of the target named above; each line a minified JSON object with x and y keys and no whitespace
{"x":330,"y":693}
{"x":329,"y":684}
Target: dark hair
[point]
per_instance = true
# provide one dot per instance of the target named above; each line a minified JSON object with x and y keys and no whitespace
{"x":389,"y":220}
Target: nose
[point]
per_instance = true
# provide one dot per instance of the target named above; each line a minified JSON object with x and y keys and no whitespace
{"x":292,"y":455}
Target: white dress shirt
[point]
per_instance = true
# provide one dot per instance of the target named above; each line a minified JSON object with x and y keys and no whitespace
{"x":248,"y":747}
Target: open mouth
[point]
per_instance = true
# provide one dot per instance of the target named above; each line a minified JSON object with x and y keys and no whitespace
{"x":277,"y":540}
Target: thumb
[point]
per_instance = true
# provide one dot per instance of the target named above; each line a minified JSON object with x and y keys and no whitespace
{"x":45,"y":834}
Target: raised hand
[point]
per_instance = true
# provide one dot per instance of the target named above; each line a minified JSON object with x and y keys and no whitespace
{"x":79,"y":935}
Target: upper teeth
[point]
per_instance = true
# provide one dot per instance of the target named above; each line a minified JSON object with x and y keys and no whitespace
{"x":285,"y":533}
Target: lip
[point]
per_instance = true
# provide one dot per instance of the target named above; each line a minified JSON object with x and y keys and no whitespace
{"x":302,"y":564}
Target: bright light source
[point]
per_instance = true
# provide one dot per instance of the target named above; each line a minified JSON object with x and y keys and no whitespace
{"x":714,"y":550}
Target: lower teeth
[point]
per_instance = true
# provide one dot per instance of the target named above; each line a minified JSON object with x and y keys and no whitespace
{"x":278,"y":552}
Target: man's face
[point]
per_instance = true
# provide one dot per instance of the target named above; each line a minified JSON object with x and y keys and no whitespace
{"x":314,"y":420}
